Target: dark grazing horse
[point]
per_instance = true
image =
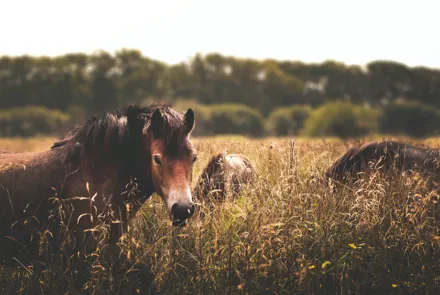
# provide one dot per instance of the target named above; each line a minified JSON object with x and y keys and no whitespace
{"x":92,"y":165}
{"x":225,"y":173}
{"x":383,"y":156}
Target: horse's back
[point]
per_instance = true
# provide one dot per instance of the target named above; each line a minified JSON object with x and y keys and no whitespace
{"x":360,"y":158}
{"x":239,"y":170}
{"x":240,"y":162}
{"x":27,"y":178}
{"x":387,"y":154}
{"x":412,"y":157}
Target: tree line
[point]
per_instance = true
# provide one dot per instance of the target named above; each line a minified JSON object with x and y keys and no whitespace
{"x":102,"y":81}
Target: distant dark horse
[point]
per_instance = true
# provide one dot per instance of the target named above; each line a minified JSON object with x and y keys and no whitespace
{"x":93,"y":165}
{"x":384,"y":156}
{"x":224,"y":174}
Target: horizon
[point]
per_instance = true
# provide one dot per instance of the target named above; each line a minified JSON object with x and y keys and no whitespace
{"x":112,"y":53}
{"x":173,"y":31}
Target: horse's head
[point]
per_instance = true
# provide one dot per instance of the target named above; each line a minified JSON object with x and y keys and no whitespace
{"x":170,"y":158}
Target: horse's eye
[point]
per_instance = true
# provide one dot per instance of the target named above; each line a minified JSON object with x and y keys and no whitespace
{"x":195,"y":158}
{"x":156,"y":160}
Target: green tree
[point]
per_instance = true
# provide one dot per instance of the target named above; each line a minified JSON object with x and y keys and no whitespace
{"x":410,"y":117}
{"x":425,"y":86}
{"x":103,"y":88}
{"x":388,"y":81}
{"x":279,"y":88}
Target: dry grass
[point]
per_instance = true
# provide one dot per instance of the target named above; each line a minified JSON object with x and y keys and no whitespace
{"x":34,"y":144}
{"x":285,"y":235}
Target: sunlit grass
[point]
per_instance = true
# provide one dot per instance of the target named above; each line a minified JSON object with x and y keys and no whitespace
{"x":285,"y":235}
{"x":33,"y":144}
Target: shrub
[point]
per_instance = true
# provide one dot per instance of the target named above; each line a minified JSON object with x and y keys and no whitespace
{"x":411,"y":118}
{"x":341,"y":119}
{"x":30,"y":121}
{"x":76,"y":114}
{"x":202,"y":115}
{"x":288,"y":120}
{"x":235,"y":119}
{"x":223,"y":118}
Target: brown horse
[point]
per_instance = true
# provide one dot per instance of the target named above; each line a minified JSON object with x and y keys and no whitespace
{"x":383,"y":156}
{"x":93,"y":164}
{"x":224,"y":174}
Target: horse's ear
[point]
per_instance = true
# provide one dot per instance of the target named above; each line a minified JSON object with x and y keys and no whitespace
{"x":135,"y":118}
{"x":189,"y":120}
{"x":156,"y":123}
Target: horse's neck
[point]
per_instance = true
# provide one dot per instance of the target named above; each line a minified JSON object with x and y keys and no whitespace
{"x":112,"y":179}
{"x":139,"y":167}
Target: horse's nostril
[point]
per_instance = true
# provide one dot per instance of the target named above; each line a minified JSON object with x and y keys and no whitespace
{"x":174,"y":207}
{"x":191,"y":209}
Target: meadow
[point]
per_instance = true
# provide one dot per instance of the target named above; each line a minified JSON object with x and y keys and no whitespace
{"x":286,"y":234}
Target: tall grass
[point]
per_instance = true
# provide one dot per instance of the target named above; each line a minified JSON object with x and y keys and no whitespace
{"x":287,"y":234}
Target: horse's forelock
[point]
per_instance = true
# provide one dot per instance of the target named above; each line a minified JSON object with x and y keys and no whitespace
{"x":174,"y":132}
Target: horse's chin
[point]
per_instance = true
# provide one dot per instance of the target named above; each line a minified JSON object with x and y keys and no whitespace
{"x":179,"y":223}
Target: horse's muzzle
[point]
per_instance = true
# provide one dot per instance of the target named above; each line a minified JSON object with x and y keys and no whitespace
{"x":180,"y":212}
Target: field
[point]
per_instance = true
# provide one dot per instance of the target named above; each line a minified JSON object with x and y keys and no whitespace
{"x":287,"y":234}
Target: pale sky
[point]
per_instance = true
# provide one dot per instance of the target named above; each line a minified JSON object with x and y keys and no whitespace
{"x":354,"y":32}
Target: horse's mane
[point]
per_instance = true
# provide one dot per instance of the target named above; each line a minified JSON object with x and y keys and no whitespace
{"x":363,"y":147}
{"x":341,"y":164}
{"x":212,"y":164}
{"x":110,"y":132}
